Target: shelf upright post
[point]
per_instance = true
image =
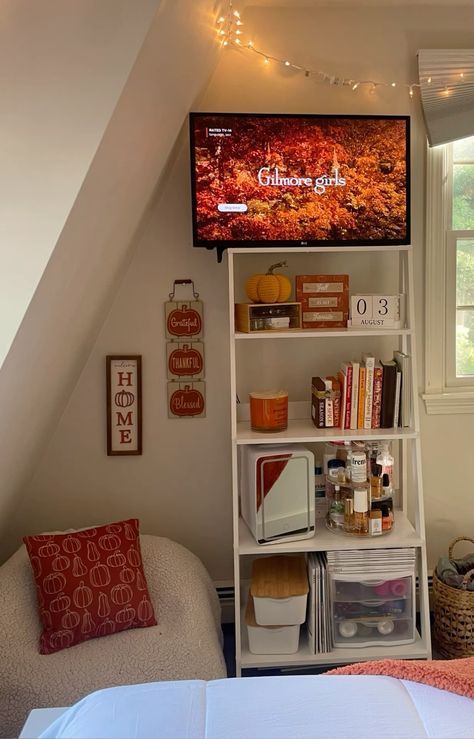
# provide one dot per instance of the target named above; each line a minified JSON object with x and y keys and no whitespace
{"x":235,"y":481}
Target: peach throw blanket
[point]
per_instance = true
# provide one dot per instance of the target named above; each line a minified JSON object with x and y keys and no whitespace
{"x":455,"y":675}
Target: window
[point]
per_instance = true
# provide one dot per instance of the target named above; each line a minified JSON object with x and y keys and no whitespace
{"x":449,"y":335}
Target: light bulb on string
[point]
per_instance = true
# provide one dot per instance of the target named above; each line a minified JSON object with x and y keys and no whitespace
{"x":232,"y":23}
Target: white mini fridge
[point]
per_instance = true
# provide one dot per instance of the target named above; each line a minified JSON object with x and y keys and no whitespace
{"x":277,"y":491}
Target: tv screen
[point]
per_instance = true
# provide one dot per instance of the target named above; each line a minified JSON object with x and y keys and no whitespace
{"x":299,"y":180}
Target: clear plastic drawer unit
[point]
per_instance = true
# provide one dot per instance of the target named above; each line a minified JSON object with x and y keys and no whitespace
{"x":370,"y":611}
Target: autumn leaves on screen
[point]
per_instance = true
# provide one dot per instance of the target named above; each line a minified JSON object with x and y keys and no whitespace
{"x":277,"y":178}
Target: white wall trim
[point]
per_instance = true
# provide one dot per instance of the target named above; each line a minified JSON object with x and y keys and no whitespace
{"x":438,"y":397}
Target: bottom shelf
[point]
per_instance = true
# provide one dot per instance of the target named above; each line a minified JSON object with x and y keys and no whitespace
{"x":338,"y":656}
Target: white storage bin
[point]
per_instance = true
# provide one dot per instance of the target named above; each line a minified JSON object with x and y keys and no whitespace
{"x":270,"y":639}
{"x":280,"y":590}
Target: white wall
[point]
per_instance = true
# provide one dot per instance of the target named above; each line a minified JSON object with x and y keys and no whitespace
{"x":180,"y":487}
{"x":74,"y":294}
{"x":62,"y":69}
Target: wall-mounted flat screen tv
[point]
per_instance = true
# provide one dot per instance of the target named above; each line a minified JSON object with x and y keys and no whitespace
{"x":261,"y":180}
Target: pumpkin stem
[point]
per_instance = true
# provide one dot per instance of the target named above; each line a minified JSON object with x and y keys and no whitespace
{"x":275,"y":266}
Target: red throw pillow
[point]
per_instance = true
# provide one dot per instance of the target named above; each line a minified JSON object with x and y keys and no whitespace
{"x":89,"y":583}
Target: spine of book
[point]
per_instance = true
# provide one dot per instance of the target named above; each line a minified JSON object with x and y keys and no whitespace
{"x":318,"y":402}
{"x":355,"y":395}
{"x":328,"y":404}
{"x":388,"y":393}
{"x":346,"y":369}
{"x":336,"y":396}
{"x":377,"y":395}
{"x":403,"y":361}
{"x":369,"y":361}
{"x":396,"y":404}
{"x":342,"y":409}
{"x":361,"y":408}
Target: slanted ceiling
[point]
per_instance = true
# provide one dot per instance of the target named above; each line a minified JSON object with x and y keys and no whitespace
{"x":447,"y":93}
{"x":96,"y":239}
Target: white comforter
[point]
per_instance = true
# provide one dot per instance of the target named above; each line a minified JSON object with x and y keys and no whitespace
{"x":299,"y":707}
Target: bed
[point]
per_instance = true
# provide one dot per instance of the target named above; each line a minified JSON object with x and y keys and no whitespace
{"x":185,"y":645}
{"x":307,"y":707}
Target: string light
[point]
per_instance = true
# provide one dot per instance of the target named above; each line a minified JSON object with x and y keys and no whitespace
{"x":229,"y":32}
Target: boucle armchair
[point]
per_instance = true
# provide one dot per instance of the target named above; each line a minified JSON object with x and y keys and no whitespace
{"x":186,"y":643}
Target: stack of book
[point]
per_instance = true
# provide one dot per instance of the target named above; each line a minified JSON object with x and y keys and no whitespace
{"x":375,"y":393}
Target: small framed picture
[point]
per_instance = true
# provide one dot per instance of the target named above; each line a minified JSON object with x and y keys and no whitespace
{"x":124,"y":404}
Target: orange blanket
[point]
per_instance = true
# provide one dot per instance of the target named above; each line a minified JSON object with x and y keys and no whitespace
{"x":455,"y":675}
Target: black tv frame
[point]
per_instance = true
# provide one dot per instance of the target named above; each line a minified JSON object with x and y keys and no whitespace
{"x":220,"y":246}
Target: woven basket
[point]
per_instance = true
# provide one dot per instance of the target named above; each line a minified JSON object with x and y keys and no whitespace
{"x":453,"y":628}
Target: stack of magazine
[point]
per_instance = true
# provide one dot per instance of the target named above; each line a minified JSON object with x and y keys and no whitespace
{"x":319,"y":607}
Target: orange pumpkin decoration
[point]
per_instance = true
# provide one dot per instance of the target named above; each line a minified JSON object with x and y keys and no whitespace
{"x":269,"y":288}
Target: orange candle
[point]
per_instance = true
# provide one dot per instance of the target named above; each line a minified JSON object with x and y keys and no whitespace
{"x":269,"y":411}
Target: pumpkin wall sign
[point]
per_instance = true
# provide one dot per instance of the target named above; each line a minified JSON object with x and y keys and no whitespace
{"x":124,"y":405}
{"x":185,"y":352}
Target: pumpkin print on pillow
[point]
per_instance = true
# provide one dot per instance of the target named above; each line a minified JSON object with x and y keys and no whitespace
{"x":89,"y":583}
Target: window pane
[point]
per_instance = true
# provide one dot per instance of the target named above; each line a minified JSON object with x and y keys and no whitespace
{"x":463,"y":197}
{"x":465,"y":272}
{"x":464,"y":150}
{"x":464,"y":343}
{"x":464,"y":307}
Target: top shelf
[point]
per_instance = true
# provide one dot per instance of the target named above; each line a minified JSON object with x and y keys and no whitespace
{"x":307,"y":333}
{"x":318,"y":249}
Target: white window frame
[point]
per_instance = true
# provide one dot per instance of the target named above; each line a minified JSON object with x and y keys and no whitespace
{"x":444,"y":392}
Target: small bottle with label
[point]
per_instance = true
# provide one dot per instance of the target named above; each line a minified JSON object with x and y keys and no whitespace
{"x":349,"y":515}
{"x":336,"y":510}
{"x":385,"y":459}
{"x":358,"y":466}
{"x":376,"y":481}
{"x":361,"y":511}
{"x":375,"y":522}
{"x":319,"y":481}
